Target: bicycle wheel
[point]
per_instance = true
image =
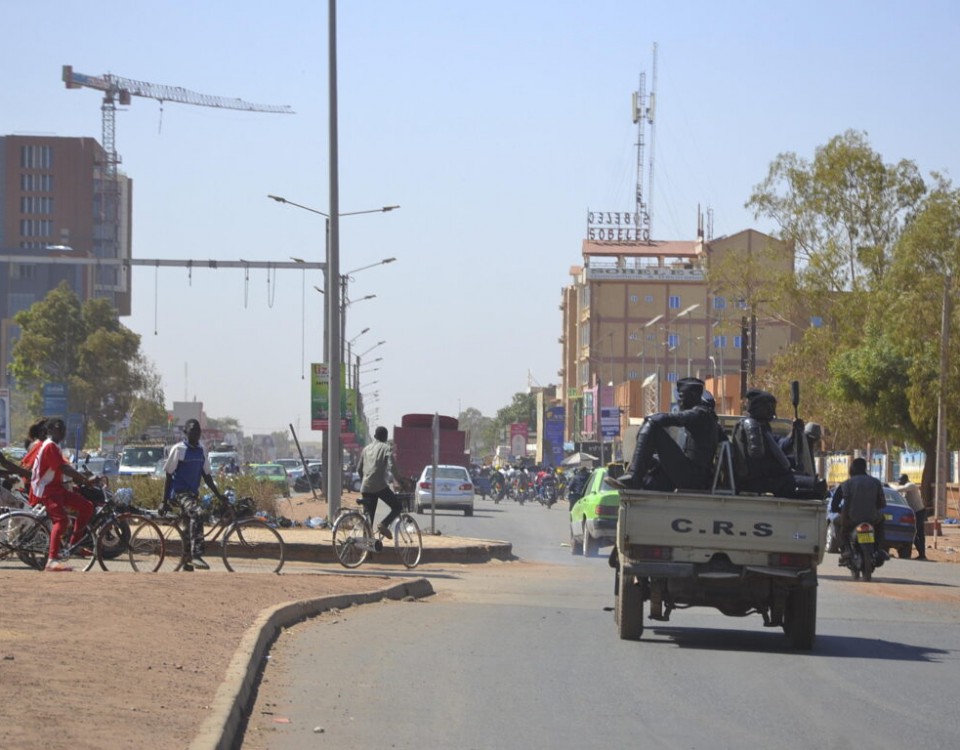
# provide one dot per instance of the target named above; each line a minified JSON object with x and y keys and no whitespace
{"x":251,"y":546}
{"x":407,"y":540}
{"x":24,"y":535}
{"x":145,"y":549}
{"x":109,"y":544}
{"x":174,"y":542}
{"x":351,"y":537}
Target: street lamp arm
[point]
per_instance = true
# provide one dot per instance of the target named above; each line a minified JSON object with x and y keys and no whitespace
{"x":364,"y":268}
{"x":280,"y":199}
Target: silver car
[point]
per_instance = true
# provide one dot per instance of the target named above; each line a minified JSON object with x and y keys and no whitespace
{"x":453,"y":491}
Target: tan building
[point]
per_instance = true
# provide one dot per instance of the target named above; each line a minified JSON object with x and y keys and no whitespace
{"x":640,"y":315}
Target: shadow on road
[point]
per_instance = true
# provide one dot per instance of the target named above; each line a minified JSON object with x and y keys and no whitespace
{"x":848,"y":647}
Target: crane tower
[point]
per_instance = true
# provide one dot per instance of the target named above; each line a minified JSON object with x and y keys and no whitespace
{"x":118,"y":90}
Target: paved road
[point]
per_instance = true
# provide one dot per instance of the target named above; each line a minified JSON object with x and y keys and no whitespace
{"x":525,"y":655}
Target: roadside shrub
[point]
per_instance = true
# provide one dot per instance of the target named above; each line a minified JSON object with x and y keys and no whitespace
{"x":148,"y":491}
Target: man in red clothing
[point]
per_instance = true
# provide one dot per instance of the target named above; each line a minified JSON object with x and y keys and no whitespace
{"x":46,"y":486}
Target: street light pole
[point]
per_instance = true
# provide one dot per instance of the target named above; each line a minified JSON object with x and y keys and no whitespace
{"x":332,"y":282}
{"x":333,"y":469}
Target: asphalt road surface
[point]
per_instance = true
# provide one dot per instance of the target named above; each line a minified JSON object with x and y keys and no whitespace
{"x":526,"y":655}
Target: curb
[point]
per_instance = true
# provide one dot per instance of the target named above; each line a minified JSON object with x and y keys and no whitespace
{"x":232,"y":703}
{"x":469,"y":553}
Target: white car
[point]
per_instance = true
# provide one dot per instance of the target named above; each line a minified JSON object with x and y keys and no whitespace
{"x":454,"y":489}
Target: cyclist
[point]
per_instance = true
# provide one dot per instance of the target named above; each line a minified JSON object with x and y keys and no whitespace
{"x":375,"y":461}
{"x":187,"y":463}
{"x":46,"y":486}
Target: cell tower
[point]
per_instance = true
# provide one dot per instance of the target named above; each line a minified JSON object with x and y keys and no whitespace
{"x":644,"y":111}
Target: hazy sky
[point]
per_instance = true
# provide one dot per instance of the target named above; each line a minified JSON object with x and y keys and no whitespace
{"x":495,"y":126}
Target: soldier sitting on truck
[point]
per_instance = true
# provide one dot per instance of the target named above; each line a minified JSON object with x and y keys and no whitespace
{"x":760,"y":464}
{"x":678,"y":467}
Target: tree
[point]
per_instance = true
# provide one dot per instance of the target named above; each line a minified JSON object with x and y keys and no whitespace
{"x":523,"y":408}
{"x":481,"y":431}
{"x":847,"y":213}
{"x":148,"y":405}
{"x":84,"y":347}
{"x":844,"y":213}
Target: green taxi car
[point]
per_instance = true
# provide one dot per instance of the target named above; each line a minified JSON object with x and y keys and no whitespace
{"x":274,"y":473}
{"x":593,"y":518}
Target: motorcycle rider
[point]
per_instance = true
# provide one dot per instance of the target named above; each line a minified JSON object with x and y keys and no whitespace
{"x":686,"y":467}
{"x":859,"y":499}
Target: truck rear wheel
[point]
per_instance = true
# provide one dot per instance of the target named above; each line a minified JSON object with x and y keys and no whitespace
{"x":629,"y":609}
{"x":800,"y":622}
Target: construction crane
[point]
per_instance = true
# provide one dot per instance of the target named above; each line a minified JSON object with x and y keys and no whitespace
{"x":119,"y":90}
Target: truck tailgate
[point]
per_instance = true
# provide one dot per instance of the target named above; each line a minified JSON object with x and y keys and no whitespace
{"x":696,"y":526}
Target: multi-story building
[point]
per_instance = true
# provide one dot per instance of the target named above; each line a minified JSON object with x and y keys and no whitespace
{"x":639,"y":315}
{"x":60,"y":209}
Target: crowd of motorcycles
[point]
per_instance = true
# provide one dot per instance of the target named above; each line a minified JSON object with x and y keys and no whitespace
{"x":523,"y":484}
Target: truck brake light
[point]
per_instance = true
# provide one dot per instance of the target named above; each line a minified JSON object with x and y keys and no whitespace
{"x":650,"y":552}
{"x":789,"y":560}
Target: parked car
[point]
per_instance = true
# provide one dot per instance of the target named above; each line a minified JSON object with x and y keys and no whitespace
{"x":293,"y":466}
{"x":108,"y":467}
{"x":273,"y":473}
{"x":593,"y":518}
{"x":899,"y":527}
{"x":453,"y":491}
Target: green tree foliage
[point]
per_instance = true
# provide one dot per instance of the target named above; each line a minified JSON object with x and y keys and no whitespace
{"x":147,"y":408}
{"x":523,"y":408}
{"x":85,"y":347}
{"x":844,"y":213}
{"x":878,"y":249}
{"x":481,"y":432}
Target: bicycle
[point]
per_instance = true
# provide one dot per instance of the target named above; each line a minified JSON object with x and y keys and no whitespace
{"x":353,"y":540}
{"x":113,"y":539}
{"x":248,"y":544}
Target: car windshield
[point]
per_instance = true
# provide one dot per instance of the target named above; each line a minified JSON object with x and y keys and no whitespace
{"x":142,"y":456}
{"x":268,"y":471}
{"x":449,"y":472}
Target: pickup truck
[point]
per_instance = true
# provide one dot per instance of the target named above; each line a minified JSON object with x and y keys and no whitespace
{"x":740,"y":553}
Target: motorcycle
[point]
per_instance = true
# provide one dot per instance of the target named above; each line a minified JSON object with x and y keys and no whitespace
{"x":863,"y":555}
{"x":306,"y":482}
{"x":547,"y":490}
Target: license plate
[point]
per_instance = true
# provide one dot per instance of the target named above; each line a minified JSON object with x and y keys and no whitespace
{"x":865,"y":537}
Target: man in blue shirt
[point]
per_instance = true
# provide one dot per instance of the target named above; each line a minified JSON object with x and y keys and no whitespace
{"x":186,"y":465}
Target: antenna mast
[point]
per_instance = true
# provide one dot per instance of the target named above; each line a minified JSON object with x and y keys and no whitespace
{"x":643,"y":115}
{"x":651,"y":120}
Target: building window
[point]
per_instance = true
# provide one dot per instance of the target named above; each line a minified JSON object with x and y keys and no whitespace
{"x":36,"y":204}
{"x":719,"y":303}
{"x":737,"y":342}
{"x":633,"y":375}
{"x":634,"y":299}
{"x":36,"y":157}
{"x":36,"y":228}
{"x":673,"y":339}
{"x":24,"y":272}
{"x":719,"y":342}
{"x":674,"y":303}
{"x":648,"y":298}
{"x":671,"y":377}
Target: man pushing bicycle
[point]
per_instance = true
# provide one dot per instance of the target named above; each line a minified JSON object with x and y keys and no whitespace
{"x":187,"y":463}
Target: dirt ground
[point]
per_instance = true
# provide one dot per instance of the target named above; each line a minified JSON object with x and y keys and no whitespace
{"x":114,"y":660}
